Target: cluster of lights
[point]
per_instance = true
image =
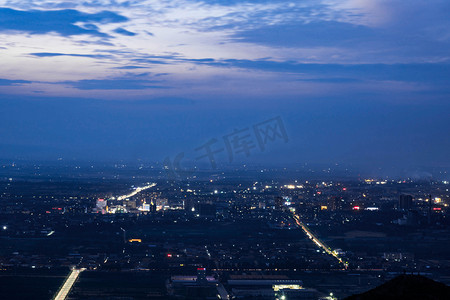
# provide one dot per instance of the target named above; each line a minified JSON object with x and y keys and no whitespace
{"x":371,"y":181}
{"x":293,"y":187}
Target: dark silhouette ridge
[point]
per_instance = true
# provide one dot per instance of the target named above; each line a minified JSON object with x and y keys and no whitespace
{"x":407,"y":287}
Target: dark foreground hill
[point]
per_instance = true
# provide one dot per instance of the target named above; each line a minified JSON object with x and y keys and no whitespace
{"x":407,"y":287}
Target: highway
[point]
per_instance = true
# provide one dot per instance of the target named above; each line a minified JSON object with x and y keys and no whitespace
{"x":136,"y":191}
{"x":318,"y":242}
{"x":67,"y":286}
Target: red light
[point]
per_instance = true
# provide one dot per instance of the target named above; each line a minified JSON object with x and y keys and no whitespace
{"x":437,"y":208}
{"x":201,"y":269}
{"x":169,"y":255}
{"x":101,"y":199}
{"x":47,"y":212}
{"x":356,"y":207}
{"x":344,"y":189}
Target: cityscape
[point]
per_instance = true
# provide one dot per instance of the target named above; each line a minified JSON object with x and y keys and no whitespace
{"x":224,"y":149}
{"x":216,"y":235}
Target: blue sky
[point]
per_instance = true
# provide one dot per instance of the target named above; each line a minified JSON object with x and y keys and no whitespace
{"x":355,"y":81}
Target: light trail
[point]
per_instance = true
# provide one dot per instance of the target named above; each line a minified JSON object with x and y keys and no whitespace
{"x":318,"y":242}
{"x":67,"y":286}
{"x":136,"y":191}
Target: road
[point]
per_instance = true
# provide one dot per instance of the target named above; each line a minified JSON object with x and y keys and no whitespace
{"x":318,"y":242}
{"x":136,"y":191}
{"x":67,"y":286}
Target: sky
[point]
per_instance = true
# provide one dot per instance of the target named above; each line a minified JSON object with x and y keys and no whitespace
{"x":364,"y":82}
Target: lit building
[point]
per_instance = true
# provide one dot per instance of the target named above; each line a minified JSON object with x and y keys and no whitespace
{"x":101,"y":205}
{"x":269,"y":287}
{"x":162,"y":204}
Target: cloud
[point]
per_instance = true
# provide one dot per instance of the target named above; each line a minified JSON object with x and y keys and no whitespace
{"x":49,"y":54}
{"x":320,"y":33}
{"x":115,"y":84}
{"x":156,"y":61}
{"x":7,"y":82}
{"x":332,"y":80}
{"x":252,"y":42}
{"x":166,"y":101}
{"x":124,"y":32}
{"x":426,"y":72}
{"x":129,"y":67}
{"x":60,"y":21}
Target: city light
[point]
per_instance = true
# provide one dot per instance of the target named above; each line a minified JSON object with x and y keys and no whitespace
{"x":278,"y":287}
{"x":318,"y":242}
{"x":372,"y":208}
{"x":136,"y":191}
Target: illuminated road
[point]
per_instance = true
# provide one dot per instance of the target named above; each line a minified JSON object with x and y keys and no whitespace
{"x":70,"y":280}
{"x":318,"y":242}
{"x":136,"y":191}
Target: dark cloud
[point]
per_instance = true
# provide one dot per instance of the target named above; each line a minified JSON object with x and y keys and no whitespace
{"x":129,"y":67}
{"x":49,"y":54}
{"x":167,"y":101}
{"x":234,"y":2}
{"x":322,"y":33}
{"x":156,"y":61}
{"x":168,"y":59}
{"x":115,"y":84}
{"x":124,"y":32}
{"x":396,"y":37}
{"x":426,"y":73}
{"x":7,"y":82}
{"x":332,"y":80}
{"x":60,"y":21}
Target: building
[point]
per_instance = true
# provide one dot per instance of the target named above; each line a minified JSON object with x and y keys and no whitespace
{"x":101,"y":206}
{"x":405,"y":202}
{"x":196,"y":287}
{"x":190,"y":204}
{"x":130,"y":204}
{"x":268,"y":287}
{"x":335,"y":203}
{"x":279,"y":201}
{"x":162,"y":204}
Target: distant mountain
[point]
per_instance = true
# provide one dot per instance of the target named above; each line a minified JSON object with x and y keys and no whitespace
{"x":409,"y":287}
